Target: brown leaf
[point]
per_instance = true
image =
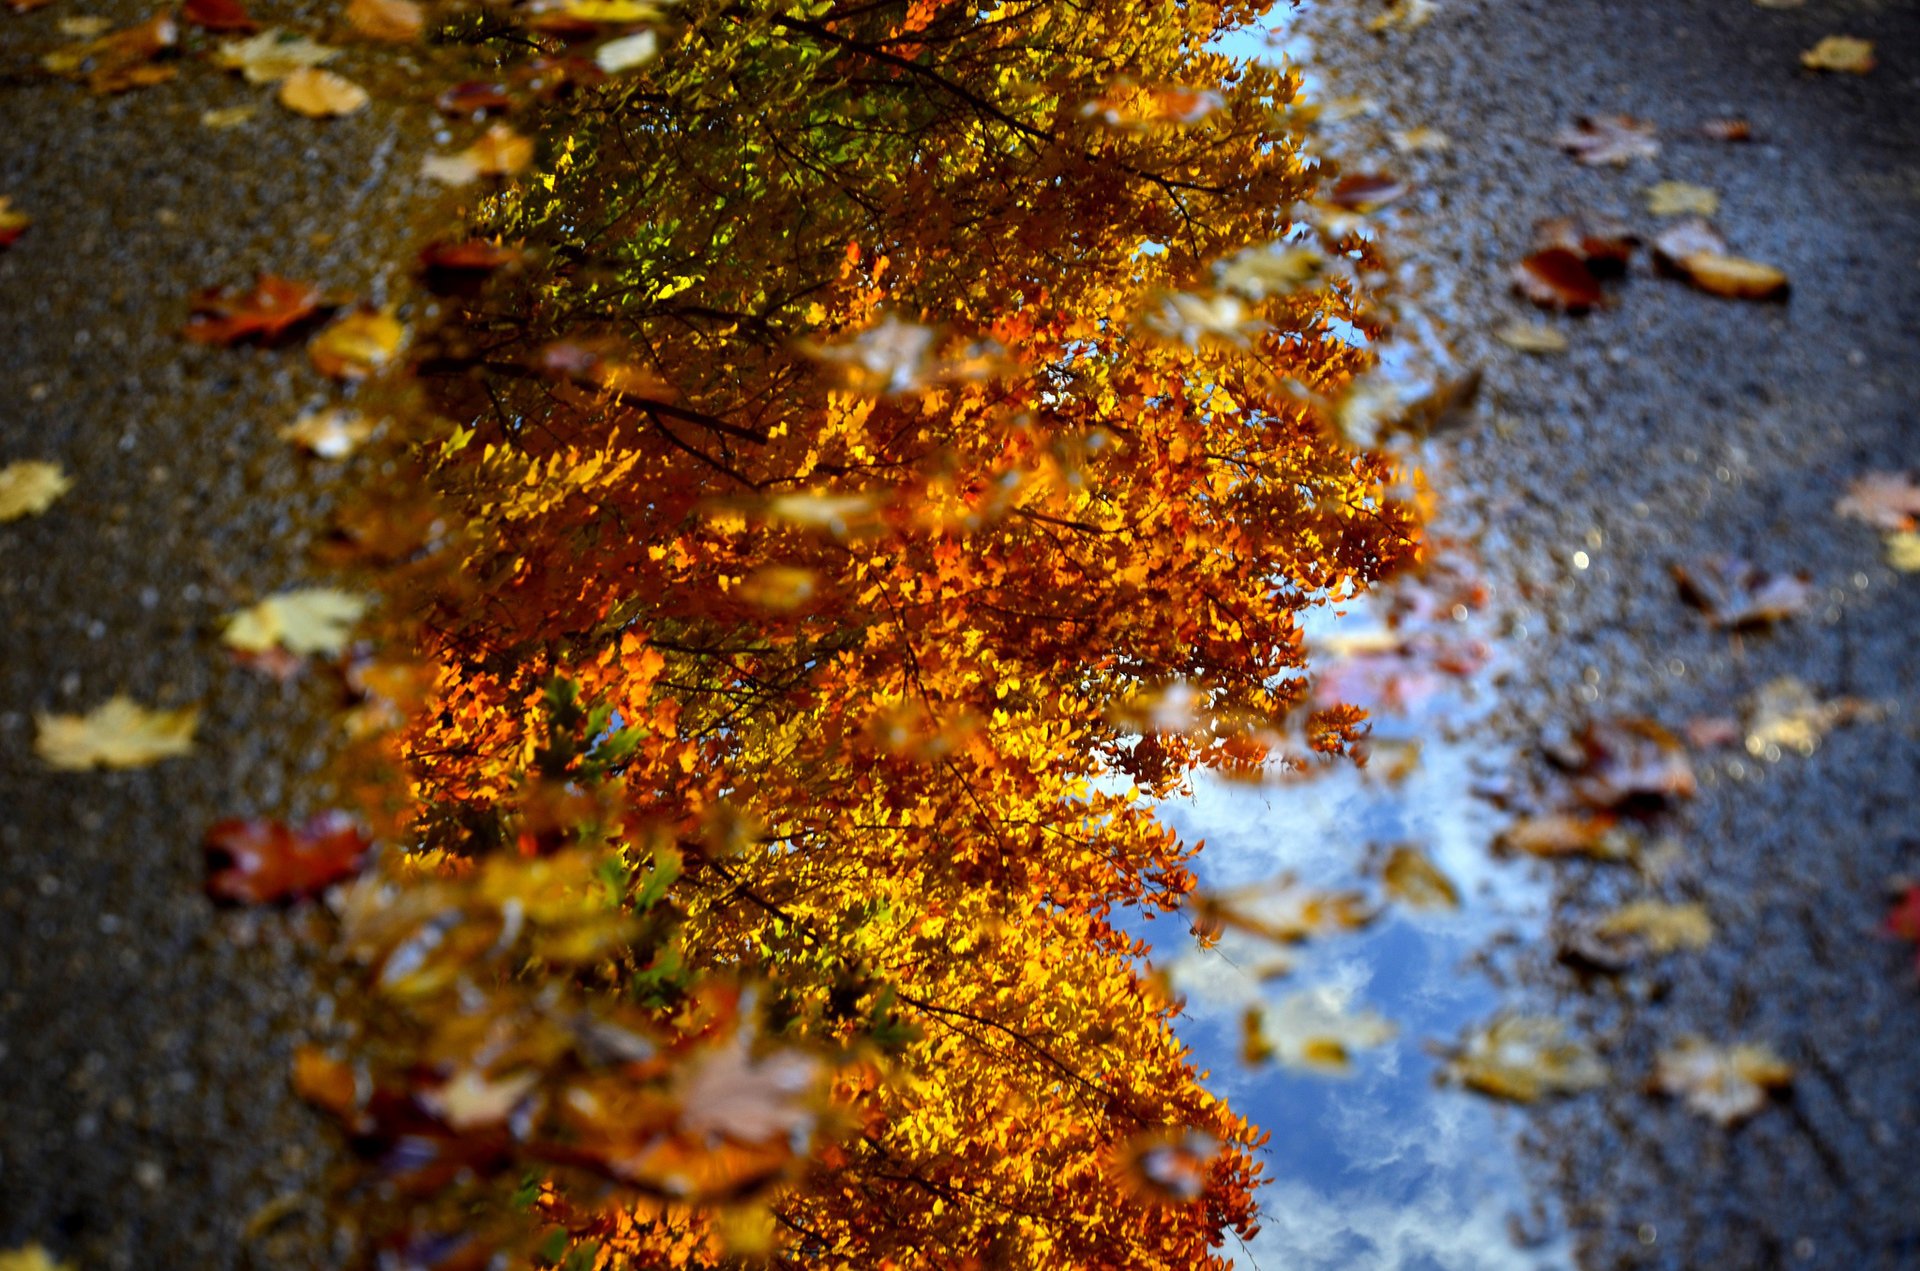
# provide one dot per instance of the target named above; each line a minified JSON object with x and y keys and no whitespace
{"x":273,"y":308}
{"x":357,"y":345}
{"x":1604,"y":243}
{"x":1363,"y":191}
{"x":120,"y":61}
{"x":320,"y":94}
{"x":1727,"y":130}
{"x":1736,"y":593}
{"x":473,"y":255}
{"x":394,"y":21}
{"x":1884,"y":500}
{"x":1417,"y":882}
{"x":256,"y":861}
{"x":1557,"y":279}
{"x":1631,"y":760}
{"x":1567,"y":834}
{"x":1840,"y":53}
{"x":219,"y":15}
{"x":1609,"y":139}
{"x":474,"y":97}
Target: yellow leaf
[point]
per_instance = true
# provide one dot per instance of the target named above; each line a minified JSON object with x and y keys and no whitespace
{"x":271,"y":55}
{"x":1840,"y":53}
{"x":312,"y":620}
{"x":119,"y":733}
{"x":1679,"y":198}
{"x":329,"y":434}
{"x":31,"y":1258}
{"x":1903,"y":551}
{"x":320,"y":94}
{"x":1414,"y":140}
{"x":1726,"y":1084}
{"x":395,"y":21}
{"x":358,"y":344}
{"x":29,"y":487}
{"x":499,"y":152}
{"x":1417,"y":882}
{"x":627,"y":52}
{"x":229,"y":117}
{"x":1660,"y":927}
{"x":1532,"y":337}
{"x":1521,"y":1058}
{"x":11,"y":221}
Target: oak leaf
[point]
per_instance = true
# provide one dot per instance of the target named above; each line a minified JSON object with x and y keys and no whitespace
{"x":118,"y":733}
{"x":1726,"y":1084}
{"x":1609,"y":139}
{"x":258,"y":861}
{"x":29,"y":487}
{"x":320,"y":94}
{"x":273,"y":308}
{"x":309,"y":621}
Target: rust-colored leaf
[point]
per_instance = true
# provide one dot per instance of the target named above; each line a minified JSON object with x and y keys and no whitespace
{"x":219,"y":15}
{"x":1558,"y":279}
{"x":257,"y":861}
{"x":1364,"y":191}
{"x":272,"y":309}
{"x":469,"y":256}
{"x":474,"y":97}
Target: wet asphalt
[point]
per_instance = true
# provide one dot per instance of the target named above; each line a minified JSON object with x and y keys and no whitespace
{"x":145,"y":1034}
{"x":1679,"y":426}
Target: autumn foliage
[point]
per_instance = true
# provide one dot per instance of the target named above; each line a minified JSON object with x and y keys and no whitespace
{"x":884,"y":411}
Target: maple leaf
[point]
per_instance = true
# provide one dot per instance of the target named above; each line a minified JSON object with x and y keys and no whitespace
{"x":500,"y":152}
{"x":1417,"y":882}
{"x":1726,"y":1084}
{"x":1679,"y":198}
{"x":219,"y":15}
{"x":1884,"y":500}
{"x":358,"y":344}
{"x":1609,"y":139}
{"x":258,"y":861}
{"x":1524,"y":1058}
{"x":392,"y":21}
{"x":329,"y":434}
{"x":1532,"y":337}
{"x":270,"y":311}
{"x":309,"y":621}
{"x":1840,"y":53}
{"x":320,"y":94}
{"x":29,"y":487}
{"x":272,"y":55}
{"x":1734,"y":593}
{"x":627,"y":52}
{"x":118,"y":733}
{"x":1903,"y":921}
{"x":32,"y":1257}
{"x":13,"y":223}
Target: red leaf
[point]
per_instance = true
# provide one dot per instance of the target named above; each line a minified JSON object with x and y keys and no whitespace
{"x":1903,"y":920}
{"x":1604,"y":243}
{"x":474,"y":97}
{"x":257,"y":861}
{"x":1558,"y":279}
{"x":274,"y":307}
{"x":1364,"y":190}
{"x":475,"y":255}
{"x":219,"y":15}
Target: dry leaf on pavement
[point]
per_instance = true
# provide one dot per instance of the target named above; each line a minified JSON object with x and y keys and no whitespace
{"x":1735,"y":593}
{"x":329,"y":434}
{"x":1726,"y":1084}
{"x":271,"y":55}
{"x":118,"y":733}
{"x":1884,"y":500}
{"x":13,"y":223}
{"x":1840,"y":53}
{"x":1608,"y":139}
{"x":311,"y":620}
{"x":499,"y":152}
{"x":1532,"y":337}
{"x":358,"y":344}
{"x":29,"y":487}
{"x":1522,"y":1058}
{"x":395,"y":21}
{"x":1903,"y":551}
{"x":1681,"y":198}
{"x":320,"y":94}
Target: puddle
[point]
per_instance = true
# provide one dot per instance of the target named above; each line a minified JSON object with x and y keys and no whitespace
{"x":1380,"y":1170}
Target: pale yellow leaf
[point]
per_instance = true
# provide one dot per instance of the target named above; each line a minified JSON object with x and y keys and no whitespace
{"x":1417,"y":140}
{"x":1660,"y":927}
{"x":271,"y":55}
{"x":1522,"y":1058}
{"x":31,"y":1258}
{"x":118,"y":733}
{"x":228,"y":117}
{"x":1903,"y":551}
{"x":311,"y":620}
{"x":30,"y":487}
{"x":1532,"y":337}
{"x":329,"y":434}
{"x":320,"y":94}
{"x":1840,"y":53}
{"x":1681,"y":198}
{"x":1727,"y":1084}
{"x":627,"y":52}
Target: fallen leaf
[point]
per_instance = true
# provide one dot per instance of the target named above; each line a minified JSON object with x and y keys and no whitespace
{"x":1628,"y":760}
{"x":1786,"y":715}
{"x":499,"y":152}
{"x":1657,"y":926}
{"x":320,"y":94}
{"x":1604,"y":243}
{"x":258,"y":861}
{"x":1568,"y":834}
{"x":1725,"y":1084}
{"x":29,"y":487}
{"x":308,"y":621}
{"x":1903,"y":551}
{"x":1532,"y":337}
{"x":394,"y":21}
{"x":1734,"y":593}
{"x":627,"y":52}
{"x":1694,"y":236}
{"x":470,"y":1099}
{"x":473,"y":255}
{"x":1314,"y":1030}
{"x":1679,"y":198}
{"x":1734,"y":277}
{"x":1522,"y":1058}
{"x":358,"y":344}
{"x":273,"y":308}
{"x":731,"y":1095}
{"x":229,"y":117}
{"x":1727,"y":130}
{"x":1557,"y":279}
{"x":474,"y":97}
{"x":271,"y":55}
{"x":1364,"y":191}
{"x":219,"y":15}
{"x":84,"y":26}
{"x":1284,"y":911}
{"x":30,"y":1257}
{"x":1903,"y":921}
{"x":1406,"y":15}
{"x":13,"y":223}
{"x":1884,"y":500}
{"x":1609,"y":139}
{"x":1417,"y":882}
{"x":122,"y":60}
{"x":118,"y":733}
{"x":1708,"y":732}
{"x":1420,"y":140}
{"x":1840,"y":53}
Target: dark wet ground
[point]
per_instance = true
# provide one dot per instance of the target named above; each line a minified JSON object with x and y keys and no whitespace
{"x":1678,"y":426}
{"x":144,"y":1035}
